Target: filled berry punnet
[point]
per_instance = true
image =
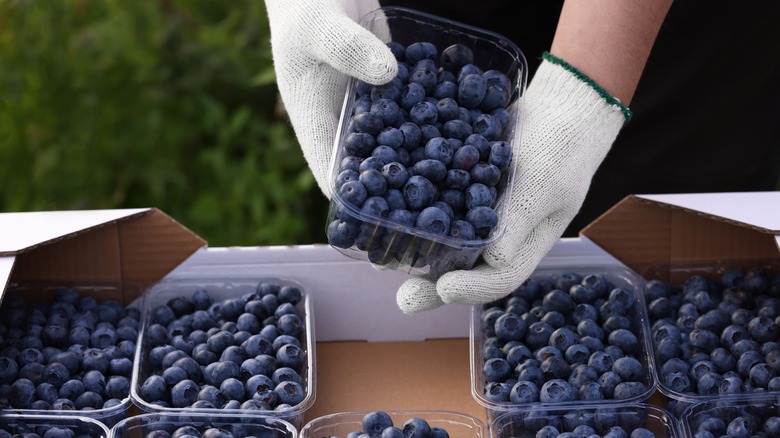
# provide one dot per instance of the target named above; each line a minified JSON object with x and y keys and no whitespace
{"x":573,"y":337}
{"x":423,"y":160}
{"x":219,"y":348}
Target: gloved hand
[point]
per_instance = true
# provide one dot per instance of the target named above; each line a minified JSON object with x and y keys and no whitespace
{"x":316,"y":46}
{"x":567,"y":125}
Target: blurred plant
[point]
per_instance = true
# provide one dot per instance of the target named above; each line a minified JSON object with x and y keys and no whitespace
{"x":168,"y":103}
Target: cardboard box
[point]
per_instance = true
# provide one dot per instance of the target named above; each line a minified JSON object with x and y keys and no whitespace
{"x":369,"y":354}
{"x":646,"y":230}
{"x":124,"y":245}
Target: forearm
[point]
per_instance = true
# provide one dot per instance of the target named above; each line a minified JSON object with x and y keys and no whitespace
{"x":609,"y":40}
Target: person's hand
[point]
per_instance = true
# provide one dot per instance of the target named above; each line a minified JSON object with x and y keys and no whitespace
{"x":566,"y":126}
{"x":316,"y":46}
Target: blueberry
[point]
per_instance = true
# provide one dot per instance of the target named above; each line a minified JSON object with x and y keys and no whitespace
{"x":419,"y":192}
{"x":497,"y":96}
{"x":763,"y":329}
{"x":22,"y":393}
{"x":71,"y":389}
{"x":627,"y":390}
{"x":601,"y":362}
{"x":154,"y":388}
{"x":709,"y":383}
{"x":359,"y":144}
{"x":524,"y":392}
{"x":555,"y":367}
{"x":184,"y":393}
{"x":88,"y":400}
{"x":373,"y":423}
{"x":454,"y":57}
{"x":677,"y":381}
{"x":510,"y":327}
{"x":497,"y":392}
{"x":416,"y":428}
{"x":8,"y":369}
{"x":56,"y":373}
{"x":556,"y":391}
{"x":628,"y":368}
{"x":433,"y":220}
{"x":424,"y":113}
{"x":496,"y":370}
{"x":577,"y":354}
{"x":289,"y":392}
{"x":489,"y":127}
{"x":563,"y":338}
{"x":624,"y":339}
{"x":558,"y":300}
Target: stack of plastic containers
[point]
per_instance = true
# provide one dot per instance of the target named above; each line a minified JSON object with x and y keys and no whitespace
{"x":262,"y":326}
{"x":570,"y":346}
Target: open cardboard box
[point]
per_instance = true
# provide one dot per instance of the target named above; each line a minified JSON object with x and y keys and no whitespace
{"x":125,"y":245}
{"x":646,"y":230}
{"x":369,"y":354}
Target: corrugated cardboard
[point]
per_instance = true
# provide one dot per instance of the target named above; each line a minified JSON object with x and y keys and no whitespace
{"x":643,"y":231}
{"x":120,"y":245}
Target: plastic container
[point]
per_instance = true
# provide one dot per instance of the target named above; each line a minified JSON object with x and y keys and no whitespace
{"x":239,"y":426}
{"x":339,"y":425}
{"x":528,"y":422}
{"x":725,"y":416}
{"x":161,"y":293}
{"x":43,"y":292}
{"x":80,"y":425}
{"x":390,"y":243}
{"x":482,"y":336}
{"x":669,"y":296}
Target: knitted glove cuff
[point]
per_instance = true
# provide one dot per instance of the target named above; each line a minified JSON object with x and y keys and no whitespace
{"x":611,"y":100}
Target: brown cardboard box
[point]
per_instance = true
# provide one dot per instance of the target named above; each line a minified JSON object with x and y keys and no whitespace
{"x":649,"y":230}
{"x":125,"y":245}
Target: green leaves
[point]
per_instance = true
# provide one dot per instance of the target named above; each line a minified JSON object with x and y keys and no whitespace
{"x":169,"y":104}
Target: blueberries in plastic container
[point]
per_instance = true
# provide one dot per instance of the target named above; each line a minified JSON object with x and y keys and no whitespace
{"x":723,"y":328}
{"x":580,"y":337}
{"x":81,"y":356}
{"x":246,"y":353}
{"x":434,"y":131}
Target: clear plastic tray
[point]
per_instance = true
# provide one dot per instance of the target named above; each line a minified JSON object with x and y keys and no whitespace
{"x":164,"y":291}
{"x":528,"y":422}
{"x":238,"y":425}
{"x":725,"y":416}
{"x":617,"y":278}
{"x":81,"y":426}
{"x":409,"y":248}
{"x":42,"y":292}
{"x":340,"y":424}
{"x":676,"y":275}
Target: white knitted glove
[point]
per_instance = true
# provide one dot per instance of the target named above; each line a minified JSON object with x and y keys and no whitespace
{"x":567,"y":125}
{"x":316,"y":46}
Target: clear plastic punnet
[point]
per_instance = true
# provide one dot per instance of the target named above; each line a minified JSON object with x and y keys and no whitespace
{"x":572,"y":336}
{"x":441,"y":202}
{"x":63,"y":337}
{"x":635,"y":420}
{"x":245,"y":340}
{"x":756,"y":414}
{"x":198,"y":424}
{"x":714,"y":329}
{"x":40,"y":424}
{"x":340,"y":425}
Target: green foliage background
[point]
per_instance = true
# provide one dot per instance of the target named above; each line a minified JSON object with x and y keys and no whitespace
{"x":154,"y":103}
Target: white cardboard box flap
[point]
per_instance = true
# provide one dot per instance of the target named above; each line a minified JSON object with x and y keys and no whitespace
{"x":23,"y":230}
